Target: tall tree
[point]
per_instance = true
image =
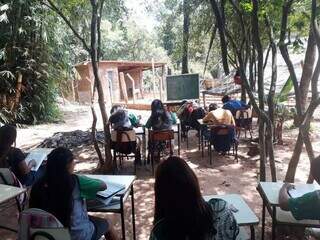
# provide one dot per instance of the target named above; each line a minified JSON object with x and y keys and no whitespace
{"x":186,"y":34}
{"x":96,"y":6}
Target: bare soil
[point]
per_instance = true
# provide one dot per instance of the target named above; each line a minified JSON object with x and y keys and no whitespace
{"x":224,"y":176}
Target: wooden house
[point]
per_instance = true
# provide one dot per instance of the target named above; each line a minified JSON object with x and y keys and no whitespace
{"x":122,"y":81}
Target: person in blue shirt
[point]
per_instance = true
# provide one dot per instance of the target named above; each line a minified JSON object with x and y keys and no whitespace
{"x":233,"y":105}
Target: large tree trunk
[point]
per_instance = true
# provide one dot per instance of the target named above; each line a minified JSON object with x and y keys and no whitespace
{"x":262,"y":122}
{"x":304,"y":88}
{"x":221,"y":29}
{"x":186,"y":33}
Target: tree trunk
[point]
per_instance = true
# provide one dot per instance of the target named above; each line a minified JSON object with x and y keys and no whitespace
{"x":292,"y":166}
{"x":307,"y":71}
{"x":258,"y":46}
{"x":186,"y":33}
{"x":94,"y":57}
{"x":221,"y":29}
{"x":304,"y":88}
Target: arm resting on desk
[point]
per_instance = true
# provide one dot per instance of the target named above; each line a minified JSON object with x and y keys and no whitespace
{"x":306,"y":206}
{"x":90,"y":186}
{"x":284,"y":197}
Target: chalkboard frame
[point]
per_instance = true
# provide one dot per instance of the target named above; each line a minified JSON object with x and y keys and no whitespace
{"x":178,"y":78}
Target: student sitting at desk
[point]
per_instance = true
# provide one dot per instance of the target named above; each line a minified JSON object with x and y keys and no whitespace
{"x":122,"y":120}
{"x":189,"y":113}
{"x":306,"y":206}
{"x":233,"y":105}
{"x":62,"y":193}
{"x":180,"y":210}
{"x":218,"y":116}
{"x":14,"y":158}
{"x":160,"y":119}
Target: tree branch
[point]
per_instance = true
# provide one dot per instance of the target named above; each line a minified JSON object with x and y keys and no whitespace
{"x":65,"y":19}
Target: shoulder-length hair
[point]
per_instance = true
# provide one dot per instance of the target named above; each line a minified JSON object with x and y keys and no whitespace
{"x":178,"y":201}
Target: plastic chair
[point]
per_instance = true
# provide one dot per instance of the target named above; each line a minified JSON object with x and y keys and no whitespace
{"x":157,"y":137}
{"x":38,"y":224}
{"x":49,"y":234}
{"x":124,"y":145}
{"x":243,"y":119}
{"x":222,"y":138}
{"x":8,"y":178}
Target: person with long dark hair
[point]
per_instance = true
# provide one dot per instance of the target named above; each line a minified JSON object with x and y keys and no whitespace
{"x":160,"y":119}
{"x":180,"y":210}
{"x":63,"y":194}
{"x":13,"y":158}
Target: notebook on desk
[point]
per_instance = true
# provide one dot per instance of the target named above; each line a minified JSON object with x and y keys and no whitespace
{"x":300,"y":190}
{"x":112,"y":189}
{"x":39,"y":155}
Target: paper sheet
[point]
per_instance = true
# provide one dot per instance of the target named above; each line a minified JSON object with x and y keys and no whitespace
{"x":39,"y":155}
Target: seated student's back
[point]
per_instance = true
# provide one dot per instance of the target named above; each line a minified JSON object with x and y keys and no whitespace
{"x":180,"y":210}
{"x":233,"y":105}
{"x":160,"y":119}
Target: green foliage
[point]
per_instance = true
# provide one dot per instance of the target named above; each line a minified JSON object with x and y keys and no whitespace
{"x":284,"y":93}
{"x":23,"y":51}
{"x":129,"y":42}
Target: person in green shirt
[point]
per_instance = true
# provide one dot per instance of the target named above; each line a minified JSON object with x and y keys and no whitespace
{"x":306,"y":206}
{"x":63,"y":194}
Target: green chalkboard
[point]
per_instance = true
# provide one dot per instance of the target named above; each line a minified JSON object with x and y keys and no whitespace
{"x":185,"y":86}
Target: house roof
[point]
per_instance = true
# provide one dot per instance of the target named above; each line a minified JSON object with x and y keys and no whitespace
{"x":125,"y":65}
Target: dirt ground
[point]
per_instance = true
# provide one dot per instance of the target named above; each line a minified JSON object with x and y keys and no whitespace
{"x":224,"y":176}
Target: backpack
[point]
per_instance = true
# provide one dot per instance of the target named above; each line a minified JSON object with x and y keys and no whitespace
{"x":224,"y":221}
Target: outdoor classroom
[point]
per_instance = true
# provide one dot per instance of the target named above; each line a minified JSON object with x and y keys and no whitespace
{"x":159,"y":120}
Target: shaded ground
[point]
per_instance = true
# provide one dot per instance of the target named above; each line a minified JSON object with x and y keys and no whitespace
{"x":224,"y":176}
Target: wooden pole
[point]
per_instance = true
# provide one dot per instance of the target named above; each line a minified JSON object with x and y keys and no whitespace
{"x":123,"y":87}
{"x":133,"y":88}
{"x":153,"y":79}
{"x":161,"y":82}
{"x":141,"y":82}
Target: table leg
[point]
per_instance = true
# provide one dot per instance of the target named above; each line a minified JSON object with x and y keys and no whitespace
{"x":199,"y":139}
{"x":179,"y":139}
{"x":253,"y":237}
{"x":263,"y":219}
{"x":274,"y":215}
{"x":122,"y":220}
{"x":144,"y":147}
{"x":202,"y":149}
{"x":133,"y":214}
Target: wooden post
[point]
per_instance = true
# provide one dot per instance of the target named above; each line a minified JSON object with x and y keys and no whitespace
{"x":123,"y":87}
{"x":133,"y":88}
{"x":165,"y":82}
{"x":153,"y":79}
{"x":204,"y":99}
{"x":161,"y":82}
{"x":141,"y":83}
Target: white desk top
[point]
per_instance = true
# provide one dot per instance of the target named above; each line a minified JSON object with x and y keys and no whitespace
{"x":126,"y":180}
{"x":7,"y":192}
{"x":270,"y":190}
{"x":245,"y":216}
